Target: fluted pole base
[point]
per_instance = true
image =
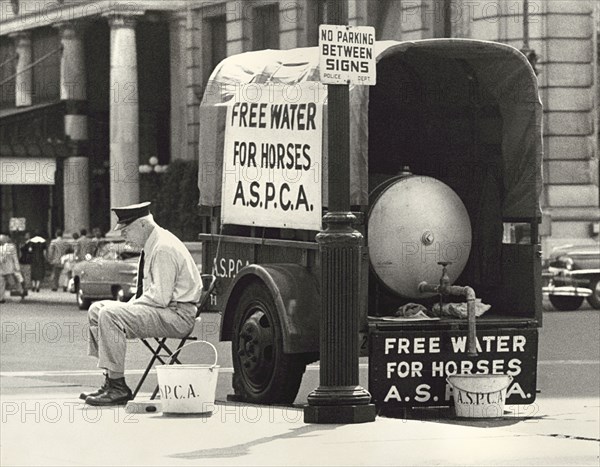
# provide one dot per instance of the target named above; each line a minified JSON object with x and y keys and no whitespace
{"x":336,"y":414}
{"x":339,"y":398}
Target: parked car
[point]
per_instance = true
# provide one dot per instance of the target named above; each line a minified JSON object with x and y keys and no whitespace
{"x":572,"y":273}
{"x":111,"y":274}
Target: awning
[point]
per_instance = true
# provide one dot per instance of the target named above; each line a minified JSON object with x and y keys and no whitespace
{"x":34,"y":149}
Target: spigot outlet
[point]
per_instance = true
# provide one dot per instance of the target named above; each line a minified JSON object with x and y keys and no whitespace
{"x":444,"y":288}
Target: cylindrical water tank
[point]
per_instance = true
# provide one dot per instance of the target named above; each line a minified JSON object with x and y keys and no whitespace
{"x":414,"y":223}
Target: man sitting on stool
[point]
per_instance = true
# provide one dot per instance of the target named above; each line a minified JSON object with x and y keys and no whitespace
{"x":168,"y":289}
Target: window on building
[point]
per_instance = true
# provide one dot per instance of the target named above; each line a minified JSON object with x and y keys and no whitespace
{"x":217,"y":31}
{"x":265,"y":27}
{"x":316,"y":14}
{"x":213,"y":39}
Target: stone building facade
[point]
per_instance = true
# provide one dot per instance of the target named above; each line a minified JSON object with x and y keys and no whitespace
{"x":140,"y":67}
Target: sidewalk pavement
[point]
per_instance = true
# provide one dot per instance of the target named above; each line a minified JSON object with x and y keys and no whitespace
{"x":58,"y":429}
{"x":43,"y":296}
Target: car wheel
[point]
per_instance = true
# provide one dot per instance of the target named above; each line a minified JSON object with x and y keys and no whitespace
{"x":118,"y":294}
{"x":594,"y":299}
{"x":82,"y":302}
{"x":263,"y":373}
{"x":563,"y":303}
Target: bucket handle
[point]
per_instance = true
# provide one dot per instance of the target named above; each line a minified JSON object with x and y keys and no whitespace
{"x":510,"y":380}
{"x":192,"y":343}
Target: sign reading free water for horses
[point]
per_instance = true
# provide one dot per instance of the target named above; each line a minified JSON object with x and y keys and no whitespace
{"x":410,"y":368}
{"x":272,"y":156}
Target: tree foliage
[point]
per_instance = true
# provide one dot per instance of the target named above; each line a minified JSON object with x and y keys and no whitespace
{"x":174,"y":195}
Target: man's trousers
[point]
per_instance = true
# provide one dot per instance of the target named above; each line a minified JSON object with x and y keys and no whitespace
{"x":112,"y":323}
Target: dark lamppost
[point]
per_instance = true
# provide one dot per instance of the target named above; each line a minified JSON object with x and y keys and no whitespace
{"x":339,"y":398}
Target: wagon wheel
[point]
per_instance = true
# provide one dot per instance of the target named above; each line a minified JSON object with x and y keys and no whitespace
{"x":263,"y":373}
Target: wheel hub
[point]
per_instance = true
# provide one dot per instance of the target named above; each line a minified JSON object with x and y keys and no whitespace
{"x":255,"y":345}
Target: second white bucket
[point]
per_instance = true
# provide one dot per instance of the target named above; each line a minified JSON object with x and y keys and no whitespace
{"x":188,"y":388}
{"x":479,"y":395}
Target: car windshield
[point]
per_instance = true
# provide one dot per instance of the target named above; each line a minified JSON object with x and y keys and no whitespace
{"x":114,"y":251}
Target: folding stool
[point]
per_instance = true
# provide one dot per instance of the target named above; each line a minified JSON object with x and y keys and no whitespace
{"x":170,"y":357}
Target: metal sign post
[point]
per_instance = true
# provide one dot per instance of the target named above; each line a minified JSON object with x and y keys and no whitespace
{"x":339,"y":398}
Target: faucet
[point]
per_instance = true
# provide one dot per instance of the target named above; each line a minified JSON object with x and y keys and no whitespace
{"x":444,"y":288}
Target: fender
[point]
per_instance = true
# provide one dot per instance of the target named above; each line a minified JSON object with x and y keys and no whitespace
{"x":296,"y":294}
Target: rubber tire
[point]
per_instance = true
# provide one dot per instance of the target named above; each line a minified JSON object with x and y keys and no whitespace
{"x":82,"y":302}
{"x":275,"y":377}
{"x":594,"y":299}
{"x":115,"y":294}
{"x":565,"y":303}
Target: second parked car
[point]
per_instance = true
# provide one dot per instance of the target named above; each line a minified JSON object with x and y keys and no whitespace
{"x":111,"y":274}
{"x":572,"y":274}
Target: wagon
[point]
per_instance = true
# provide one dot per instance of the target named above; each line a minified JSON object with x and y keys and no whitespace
{"x":445,"y":158}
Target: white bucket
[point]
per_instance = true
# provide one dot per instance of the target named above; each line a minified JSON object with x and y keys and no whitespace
{"x":479,"y":396}
{"x":188,"y":389}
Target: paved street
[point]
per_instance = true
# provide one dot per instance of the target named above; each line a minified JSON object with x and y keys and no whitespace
{"x":43,"y":367}
{"x":45,"y":343}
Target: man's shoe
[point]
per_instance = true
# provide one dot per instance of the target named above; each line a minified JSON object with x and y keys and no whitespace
{"x":118,"y":393}
{"x":97,"y":392}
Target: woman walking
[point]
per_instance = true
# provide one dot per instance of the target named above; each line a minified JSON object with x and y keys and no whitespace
{"x":36,"y":248}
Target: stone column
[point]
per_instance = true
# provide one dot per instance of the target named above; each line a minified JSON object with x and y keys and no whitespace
{"x":124,"y":113}
{"x":179,"y":86}
{"x":73,"y":92}
{"x":24,"y":77}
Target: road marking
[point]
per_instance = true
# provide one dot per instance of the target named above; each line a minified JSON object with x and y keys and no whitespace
{"x":312,"y":367}
{"x":569,"y":362}
{"x":38,"y":374}
{"x":581,"y":438}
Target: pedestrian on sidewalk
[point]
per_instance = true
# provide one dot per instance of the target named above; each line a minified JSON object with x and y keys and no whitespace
{"x":10,"y":269}
{"x":84,"y":246}
{"x":164,"y":305}
{"x":36,"y":249}
{"x":68,"y":261}
{"x":56,"y":250}
{"x":25,"y":261}
{"x":98,"y":241}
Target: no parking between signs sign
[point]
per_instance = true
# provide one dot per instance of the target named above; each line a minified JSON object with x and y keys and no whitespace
{"x":346,"y":54}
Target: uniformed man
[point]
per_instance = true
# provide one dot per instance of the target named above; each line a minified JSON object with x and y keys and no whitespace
{"x":168,"y":289}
